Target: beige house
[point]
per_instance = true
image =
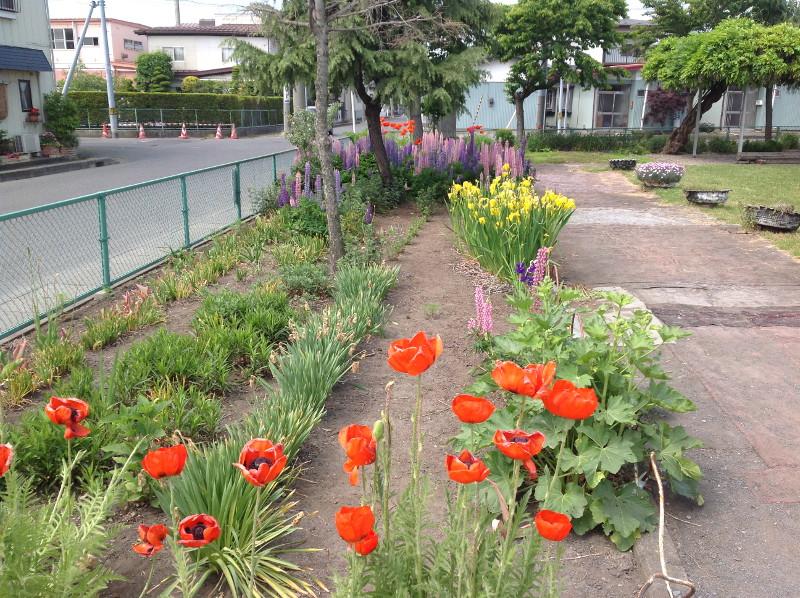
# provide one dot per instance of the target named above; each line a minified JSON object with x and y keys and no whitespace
{"x":26,"y":70}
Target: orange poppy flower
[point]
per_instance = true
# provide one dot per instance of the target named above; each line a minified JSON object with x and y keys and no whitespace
{"x":198,"y":530}
{"x":521,"y":446}
{"x":552,"y":525}
{"x":165,"y":462}
{"x":152,"y":539}
{"x":6,"y":456}
{"x":367,"y":545}
{"x":472,"y":410}
{"x":533,"y":380}
{"x":68,"y":413}
{"x":261,"y":461}
{"x":414,"y":355}
{"x":466,"y":468}
{"x":418,"y":142}
{"x":354,"y":523}
{"x":568,"y":401}
{"x":359,"y":445}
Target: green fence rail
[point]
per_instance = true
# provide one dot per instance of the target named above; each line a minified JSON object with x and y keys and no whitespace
{"x":61,"y":253}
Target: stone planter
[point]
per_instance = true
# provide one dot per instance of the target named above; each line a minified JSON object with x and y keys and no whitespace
{"x":649,"y":185}
{"x":622,"y":164}
{"x":773,"y":219}
{"x":707,"y":197}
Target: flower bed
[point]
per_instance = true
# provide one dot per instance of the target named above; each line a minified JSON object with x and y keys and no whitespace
{"x":506,"y":222}
{"x":660,"y":174}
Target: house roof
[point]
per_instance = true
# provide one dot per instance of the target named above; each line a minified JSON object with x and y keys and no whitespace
{"x":225,"y":70}
{"x":81,"y":19}
{"x":14,"y":58}
{"x":231,"y":29}
{"x":634,"y":22}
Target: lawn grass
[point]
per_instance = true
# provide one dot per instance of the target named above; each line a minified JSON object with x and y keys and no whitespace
{"x":560,"y":157}
{"x":750,"y":184}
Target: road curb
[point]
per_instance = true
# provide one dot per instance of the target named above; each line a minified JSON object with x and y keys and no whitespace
{"x":29,"y":172}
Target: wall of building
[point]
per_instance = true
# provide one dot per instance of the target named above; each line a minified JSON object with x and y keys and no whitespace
{"x":28,"y":28}
{"x":200,"y":52}
{"x":123,"y":60}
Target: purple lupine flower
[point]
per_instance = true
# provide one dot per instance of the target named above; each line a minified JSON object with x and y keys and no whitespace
{"x":318,"y":186}
{"x":298,"y":187}
{"x":369,"y":214}
{"x":483,"y":322}
{"x":534,"y":273}
{"x":307,"y":180}
{"x":283,"y":196}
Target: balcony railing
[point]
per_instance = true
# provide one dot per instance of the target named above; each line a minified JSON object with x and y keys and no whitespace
{"x":621,"y":56}
{"x":9,"y":5}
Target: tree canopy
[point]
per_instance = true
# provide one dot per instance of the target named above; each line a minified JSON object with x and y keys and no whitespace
{"x":538,"y":33}
{"x":153,"y":72}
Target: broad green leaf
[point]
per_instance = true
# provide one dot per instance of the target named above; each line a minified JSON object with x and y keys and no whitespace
{"x":570,"y":499}
{"x":667,"y":397}
{"x":509,"y":346}
{"x":670,"y":334}
{"x":618,"y":409}
{"x":623,"y":510}
{"x":584,"y":523}
{"x":624,"y":543}
{"x":610,"y":456}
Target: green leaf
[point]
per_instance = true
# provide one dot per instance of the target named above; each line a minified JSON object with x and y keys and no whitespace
{"x":570,"y":500}
{"x":618,"y":409}
{"x":623,"y":510}
{"x":508,"y":346}
{"x":667,"y":397}
{"x":670,"y":334}
{"x":584,"y":523}
{"x":624,"y":543}
{"x":610,"y":454}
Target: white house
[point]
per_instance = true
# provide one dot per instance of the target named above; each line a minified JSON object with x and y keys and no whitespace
{"x":26,"y":71}
{"x":202,"y":49}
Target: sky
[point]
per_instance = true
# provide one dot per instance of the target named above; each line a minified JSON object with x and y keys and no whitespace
{"x":162,"y":12}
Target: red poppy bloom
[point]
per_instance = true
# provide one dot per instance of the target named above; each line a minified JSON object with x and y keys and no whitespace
{"x":152,"y":539}
{"x":533,"y":380}
{"x":565,"y":400}
{"x":521,"y":446}
{"x":418,"y":142}
{"x":68,"y":413}
{"x":414,"y":355}
{"x":553,"y":525}
{"x":261,"y":461}
{"x":6,"y":456}
{"x":466,"y":468}
{"x":359,"y":445}
{"x":354,"y":523}
{"x":165,"y":462}
{"x":367,"y":545}
{"x":198,"y":530}
{"x":472,"y":410}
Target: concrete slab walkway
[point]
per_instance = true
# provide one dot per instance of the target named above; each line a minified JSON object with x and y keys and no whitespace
{"x":740,"y":298}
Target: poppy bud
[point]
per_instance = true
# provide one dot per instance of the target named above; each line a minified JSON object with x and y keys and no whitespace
{"x":377,"y":429}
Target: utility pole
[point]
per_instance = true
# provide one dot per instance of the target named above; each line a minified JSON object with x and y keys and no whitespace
{"x":177,"y":12}
{"x":112,"y":105}
{"x":77,"y":56}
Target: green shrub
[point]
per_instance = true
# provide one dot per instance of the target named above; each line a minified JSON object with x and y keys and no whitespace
{"x":304,"y":278}
{"x":755,"y":145}
{"x":789,"y":141}
{"x":505,"y":135}
{"x":301,"y":248}
{"x":265,"y":200}
{"x":153,"y":71}
{"x":721,"y":145}
{"x":591,"y":142}
{"x":369,"y":186}
{"x":54,"y":353}
{"x":62,"y":118}
{"x":430,"y":188}
{"x":246,"y":327}
{"x":307,"y":218}
{"x":170,"y":357}
{"x":137,"y":309}
{"x":655,"y":143}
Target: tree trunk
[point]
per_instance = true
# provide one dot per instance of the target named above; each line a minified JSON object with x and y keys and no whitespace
{"x":319,"y":24}
{"x":681,"y":135}
{"x":519,"y":107}
{"x":447,"y":125}
{"x":770,"y":89}
{"x":372,"y":114}
{"x":416,"y":115}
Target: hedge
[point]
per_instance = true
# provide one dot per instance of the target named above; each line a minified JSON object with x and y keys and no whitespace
{"x":182,"y":106}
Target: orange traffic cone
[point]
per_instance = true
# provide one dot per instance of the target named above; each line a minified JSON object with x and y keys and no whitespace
{"x":234,"y":134}
{"x":106,"y":134}
{"x":141,"y":132}
{"x":219,"y":132}
{"x":184,"y":134}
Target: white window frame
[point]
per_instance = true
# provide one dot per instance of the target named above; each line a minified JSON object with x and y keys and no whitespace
{"x":133,"y":45}
{"x":229,"y":51}
{"x":55,"y":41}
{"x":171,"y":52}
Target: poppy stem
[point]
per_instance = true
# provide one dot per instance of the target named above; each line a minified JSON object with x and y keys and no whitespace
{"x":554,"y":476}
{"x":415,"y":455}
{"x":149,"y":577}
{"x":255,"y":531}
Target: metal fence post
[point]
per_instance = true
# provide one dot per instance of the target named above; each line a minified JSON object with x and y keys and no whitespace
{"x":237,"y":191}
{"x":187,"y":239}
{"x":104,"y":256}
{"x":274,"y":168}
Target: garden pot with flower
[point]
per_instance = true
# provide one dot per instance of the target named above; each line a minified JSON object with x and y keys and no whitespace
{"x":33,"y":115}
{"x":707,"y":197}
{"x":781,"y":218}
{"x":660,"y":174}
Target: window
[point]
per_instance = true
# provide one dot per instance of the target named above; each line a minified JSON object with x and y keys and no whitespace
{"x":566,"y":99}
{"x":10,"y":5}
{"x":227,"y":54}
{"x":91,"y":41}
{"x":62,"y":38}
{"x":132,"y":44}
{"x":25,"y":95}
{"x":612,"y":107}
{"x":174,"y":53}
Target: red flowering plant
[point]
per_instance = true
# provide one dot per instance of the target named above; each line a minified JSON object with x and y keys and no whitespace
{"x":390,"y":550}
{"x":583,"y":370}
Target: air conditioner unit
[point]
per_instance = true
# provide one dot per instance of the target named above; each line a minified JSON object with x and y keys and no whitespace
{"x":27,"y":144}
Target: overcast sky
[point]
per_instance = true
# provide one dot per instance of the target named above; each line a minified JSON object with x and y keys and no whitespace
{"x":162,"y":12}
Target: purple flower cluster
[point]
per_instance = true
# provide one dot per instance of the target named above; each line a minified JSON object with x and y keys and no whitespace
{"x":534,"y":273}
{"x":369,"y":213}
{"x":482,"y":323}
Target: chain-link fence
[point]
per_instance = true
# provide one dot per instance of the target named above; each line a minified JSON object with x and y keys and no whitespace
{"x":59,"y":254}
{"x":172,"y":118}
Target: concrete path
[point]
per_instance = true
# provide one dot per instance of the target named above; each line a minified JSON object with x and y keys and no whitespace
{"x":738,"y":296}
